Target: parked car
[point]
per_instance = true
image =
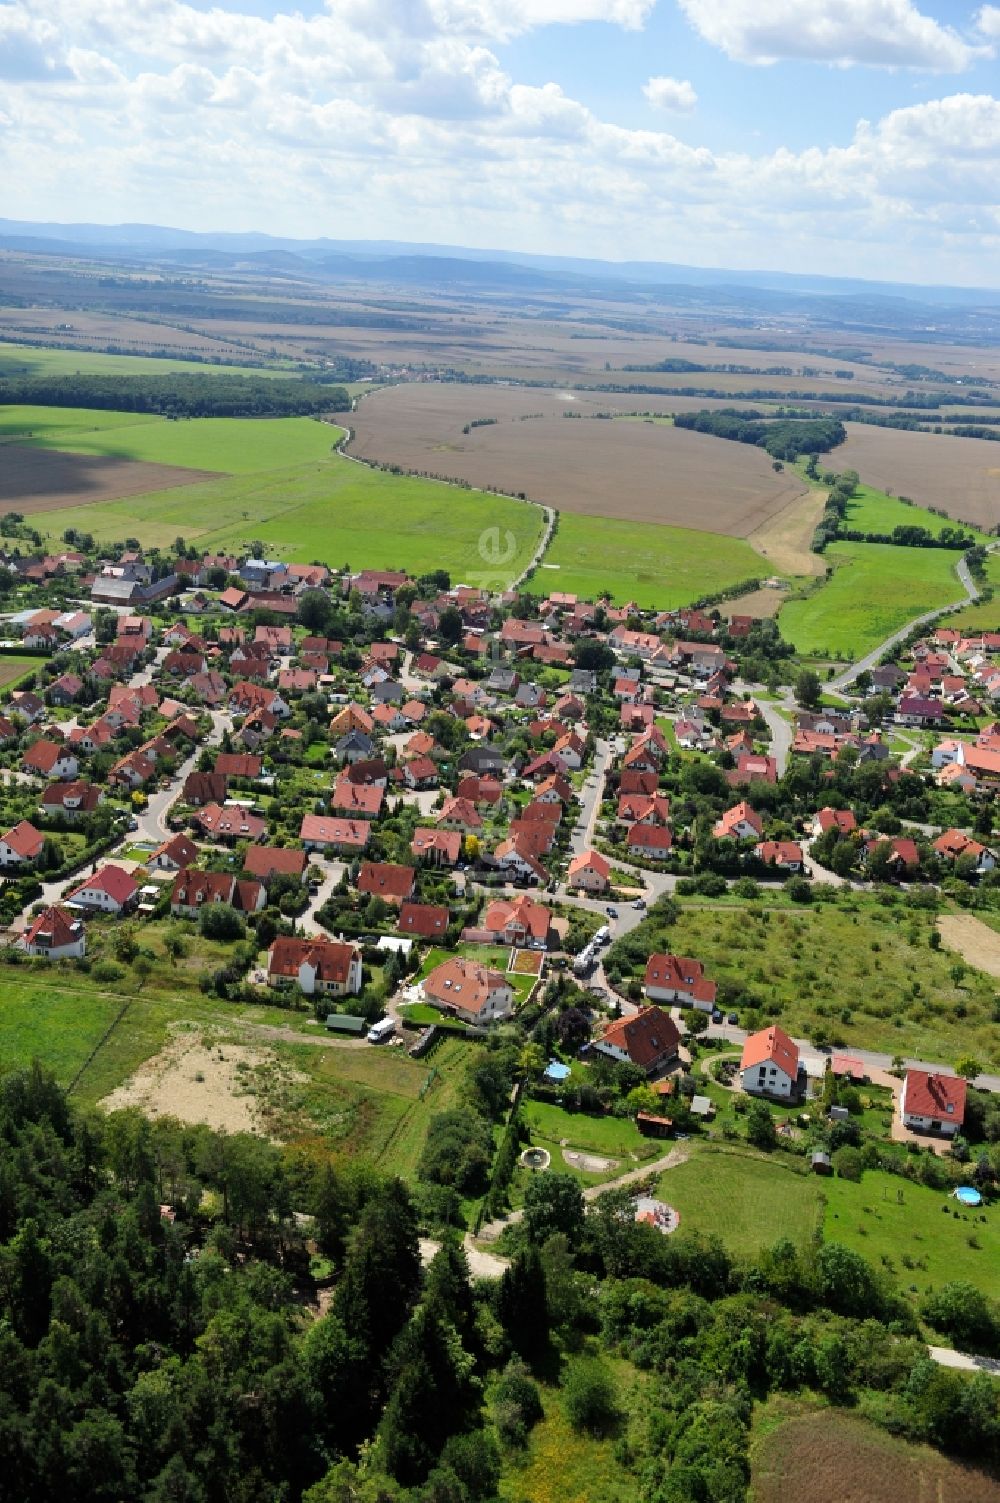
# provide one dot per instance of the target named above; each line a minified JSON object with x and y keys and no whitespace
{"x":611,"y":912}
{"x":732,"y":1017}
{"x":639,"y":903}
{"x":716,"y":1015}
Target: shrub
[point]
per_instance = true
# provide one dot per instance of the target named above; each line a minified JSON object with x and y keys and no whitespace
{"x":591,"y":1396}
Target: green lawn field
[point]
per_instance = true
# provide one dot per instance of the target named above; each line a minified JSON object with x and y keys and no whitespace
{"x":875,"y":589}
{"x":27,"y":360}
{"x":981,"y":617}
{"x":749,"y":1200}
{"x":871,"y":510}
{"x":332,"y":510}
{"x":640,"y":561}
{"x":233,"y":446}
{"x":852,"y":971}
{"x":913,"y":1233}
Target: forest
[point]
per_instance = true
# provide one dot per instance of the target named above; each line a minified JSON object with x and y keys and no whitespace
{"x":782,"y":438}
{"x":162,"y":1336}
{"x":179,"y":394}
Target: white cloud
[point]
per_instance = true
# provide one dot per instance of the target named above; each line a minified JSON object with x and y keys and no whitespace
{"x":670,"y":94}
{"x":988,"y":22}
{"x":881,"y":33}
{"x":412,"y":129}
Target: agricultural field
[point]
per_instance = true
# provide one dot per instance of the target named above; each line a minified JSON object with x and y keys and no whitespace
{"x":874,"y":590}
{"x":871,"y":510}
{"x":232,"y":446}
{"x":652,"y":565}
{"x":922,"y":1237}
{"x":35,"y":481}
{"x":14,"y":668}
{"x":961,"y":475}
{"x":852,"y":970}
{"x":985,"y":616}
{"x":523,"y":442}
{"x":749,"y":1200}
{"x":833,"y":1456}
{"x":31,"y":360}
{"x":331,"y":510}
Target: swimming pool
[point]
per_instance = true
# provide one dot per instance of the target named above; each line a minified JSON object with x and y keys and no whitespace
{"x":968,"y":1196}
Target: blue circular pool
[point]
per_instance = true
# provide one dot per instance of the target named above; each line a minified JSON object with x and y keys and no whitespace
{"x":968,"y":1196}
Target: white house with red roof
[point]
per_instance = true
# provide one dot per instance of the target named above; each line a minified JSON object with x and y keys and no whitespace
{"x":589,"y":871}
{"x":21,"y":845}
{"x":324,"y":966}
{"x":110,"y":890}
{"x":54,"y":935}
{"x":769,"y":1065}
{"x":649,"y":1039}
{"x":741,"y":822}
{"x":933,"y":1103}
{"x":470,"y":991}
{"x":678,"y":978}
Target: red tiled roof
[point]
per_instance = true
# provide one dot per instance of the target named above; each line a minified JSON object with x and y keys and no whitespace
{"x":423,"y":919}
{"x":771,"y":1046}
{"x":941,"y":1097}
{"x":646,"y":1037}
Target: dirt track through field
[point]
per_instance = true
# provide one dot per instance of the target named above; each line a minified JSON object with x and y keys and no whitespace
{"x":36,"y":480}
{"x":960,"y":475}
{"x":637,"y":471}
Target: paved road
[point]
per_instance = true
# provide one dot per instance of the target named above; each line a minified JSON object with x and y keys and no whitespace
{"x":781,"y":731}
{"x":582,"y":836}
{"x":965,"y":1360}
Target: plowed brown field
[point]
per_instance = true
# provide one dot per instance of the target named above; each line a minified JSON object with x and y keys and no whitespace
{"x":961,"y":475}
{"x":638,"y":471}
{"x":35,"y":480}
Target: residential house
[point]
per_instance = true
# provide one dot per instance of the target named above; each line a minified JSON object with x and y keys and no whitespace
{"x":321,"y":832}
{"x":519,"y":921}
{"x":651,"y":842}
{"x":111,"y":889}
{"x":467,"y":990}
{"x":194,"y":890}
{"x":439,"y":847}
{"x":173,"y":855}
{"x":741,"y":822}
{"x":54,"y":935}
{"x":933,"y":1103}
{"x":955,"y":845}
{"x":230,"y":822}
{"x":21,"y":845}
{"x":382,"y":879}
{"x":678,"y":978}
{"x":267,"y":861}
{"x":841,"y":820}
{"x":784,"y":855}
{"x":71,"y":801}
{"x":50,"y":759}
{"x":769,"y":1064}
{"x":319,"y":967}
{"x":648,"y":1039}
{"x":423,"y":920}
{"x":589,"y":871}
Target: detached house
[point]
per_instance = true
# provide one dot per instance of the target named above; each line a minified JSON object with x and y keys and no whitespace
{"x":21,"y":845}
{"x":194,"y":890}
{"x":769,"y":1065}
{"x":933,"y":1103}
{"x":741,"y":822}
{"x":54,"y":935}
{"x":678,"y":978}
{"x":318,"y":967}
{"x":321,"y":832}
{"x":49,"y":759}
{"x":649,"y":1039}
{"x":110,"y":890}
{"x":589,"y":871}
{"x":470,"y":991}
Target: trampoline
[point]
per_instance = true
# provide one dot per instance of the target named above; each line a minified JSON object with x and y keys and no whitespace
{"x":968,"y":1196}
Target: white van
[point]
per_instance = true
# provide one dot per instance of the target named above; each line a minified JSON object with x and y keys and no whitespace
{"x":381,"y":1031}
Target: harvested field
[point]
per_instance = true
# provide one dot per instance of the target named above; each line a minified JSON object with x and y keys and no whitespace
{"x":976,"y":942}
{"x":36,"y":480}
{"x":830,"y":1456}
{"x":641,"y":472}
{"x":199,"y":1081}
{"x":960,"y":475}
{"x":785,"y":539}
{"x":758,"y":603}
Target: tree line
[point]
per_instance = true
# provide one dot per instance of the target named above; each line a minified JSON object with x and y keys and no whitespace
{"x":179,"y":394}
{"x":782,"y":438}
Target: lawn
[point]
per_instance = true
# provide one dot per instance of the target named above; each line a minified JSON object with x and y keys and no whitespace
{"x":871,"y":510}
{"x":617,"y":1136}
{"x":332,"y":510}
{"x":853,"y":971}
{"x":27,"y":360}
{"x":233,"y":446}
{"x":875,"y":589}
{"x":640,"y":561}
{"x":14,"y":668}
{"x":749,"y":1200}
{"x":913,"y":1232}
{"x":984,"y":617}
{"x":801,"y":1449}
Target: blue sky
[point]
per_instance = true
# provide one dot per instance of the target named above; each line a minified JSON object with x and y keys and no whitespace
{"x":846,"y":136}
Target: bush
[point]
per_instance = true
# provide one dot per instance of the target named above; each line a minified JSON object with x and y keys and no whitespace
{"x":220,"y":921}
{"x":591,"y":1396}
{"x":107,"y":971}
{"x":848,"y":1163}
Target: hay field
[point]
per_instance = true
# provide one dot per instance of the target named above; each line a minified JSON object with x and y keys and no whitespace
{"x":875,"y":589}
{"x":640,"y":472}
{"x":659,"y":567}
{"x":42,"y":480}
{"x":39,"y":360}
{"x":961,"y":475}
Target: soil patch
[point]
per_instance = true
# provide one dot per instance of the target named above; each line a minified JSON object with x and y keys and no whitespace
{"x":758,"y":603}
{"x":200,"y":1080}
{"x":521,"y":442}
{"x":589,"y":1163}
{"x":36,"y":480}
{"x":960,"y":475}
{"x":785,"y":539}
{"x":976,"y":942}
{"x":833,"y":1457}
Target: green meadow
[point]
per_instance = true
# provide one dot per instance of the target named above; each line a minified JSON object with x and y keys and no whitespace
{"x":875,"y":590}
{"x":985,"y":617}
{"x":642,"y":561}
{"x":233,"y":446}
{"x":25,"y":360}
{"x":746,"y":1199}
{"x":871,"y":510}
